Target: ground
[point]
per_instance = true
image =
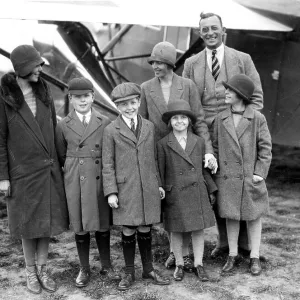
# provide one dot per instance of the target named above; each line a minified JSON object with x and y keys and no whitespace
{"x":280,"y":249}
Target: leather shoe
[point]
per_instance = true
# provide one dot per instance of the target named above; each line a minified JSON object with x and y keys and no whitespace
{"x":33,"y":284}
{"x":178,"y":273}
{"x":188,"y":264}
{"x":156,"y":277}
{"x":255,"y":266}
{"x":219,"y":252}
{"x":47,"y":283}
{"x":201,"y":273}
{"x":126,"y":282}
{"x":170,"y":262}
{"x":83,"y":277}
{"x":230,"y":264}
{"x":110,"y":273}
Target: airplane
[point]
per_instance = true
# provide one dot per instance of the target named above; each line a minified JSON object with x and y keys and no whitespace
{"x":109,"y":41}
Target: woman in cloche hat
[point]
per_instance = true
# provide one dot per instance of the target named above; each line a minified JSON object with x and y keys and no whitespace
{"x":186,"y":183}
{"x":30,"y":175}
{"x":242,"y":143}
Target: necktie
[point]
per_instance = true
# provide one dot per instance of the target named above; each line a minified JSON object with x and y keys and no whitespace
{"x":84,"y":122}
{"x":215,"y":65}
{"x":132,"y":126}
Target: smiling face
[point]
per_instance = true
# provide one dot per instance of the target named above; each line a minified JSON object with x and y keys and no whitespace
{"x":129,"y":108}
{"x":211,"y":31}
{"x":179,"y":123}
{"x":231,"y":97}
{"x":35,"y":74}
{"x":82,"y":103}
{"x":161,"y":69}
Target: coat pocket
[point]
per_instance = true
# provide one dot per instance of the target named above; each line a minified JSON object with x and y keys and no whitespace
{"x":121,"y":179}
{"x":168,"y":188}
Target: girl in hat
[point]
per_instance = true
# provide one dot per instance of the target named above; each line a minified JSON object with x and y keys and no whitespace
{"x":242,"y":143}
{"x":30,"y":174}
{"x":186,"y":183}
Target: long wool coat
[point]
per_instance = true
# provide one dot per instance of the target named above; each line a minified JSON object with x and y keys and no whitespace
{"x":187,"y":184}
{"x":242,"y":152}
{"x":130,"y":171}
{"x":80,"y":150}
{"x":153,"y":106}
{"x":37,"y":206}
{"x":235,"y":62}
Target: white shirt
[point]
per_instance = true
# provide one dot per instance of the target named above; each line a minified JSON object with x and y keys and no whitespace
{"x":128,"y":121}
{"x":182,"y":139}
{"x":220,"y":55}
{"x":87,"y":116}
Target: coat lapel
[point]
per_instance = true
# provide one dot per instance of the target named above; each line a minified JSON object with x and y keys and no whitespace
{"x":175,"y":146}
{"x":191,"y":143}
{"x":176,"y":88}
{"x":245,"y":121}
{"x":125,"y":130}
{"x":30,"y":120}
{"x":228,"y":124}
{"x":94,"y":124}
{"x":75,"y":124}
{"x":144,"y":131}
{"x":157,"y":96}
{"x":232,"y":62}
{"x":199,"y":70}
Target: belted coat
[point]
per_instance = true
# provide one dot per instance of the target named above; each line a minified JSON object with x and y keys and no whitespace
{"x":186,"y":183}
{"x":241,"y":153}
{"x":80,"y":153}
{"x":130,"y":171}
{"x":37,"y":206}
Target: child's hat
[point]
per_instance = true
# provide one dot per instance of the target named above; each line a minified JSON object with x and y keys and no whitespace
{"x":125,"y":91}
{"x":242,"y":85}
{"x":178,"y":107}
{"x":80,"y":86}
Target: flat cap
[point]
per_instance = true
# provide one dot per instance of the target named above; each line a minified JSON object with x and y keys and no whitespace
{"x":125,"y":91}
{"x":80,"y":86}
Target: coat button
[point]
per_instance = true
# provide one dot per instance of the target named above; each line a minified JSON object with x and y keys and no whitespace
{"x":81,"y":177}
{"x":225,"y":162}
{"x":98,"y":177}
{"x":97,"y":145}
{"x":241,"y":177}
{"x":97,"y":162}
{"x":192,"y":169}
{"x":81,"y":162}
{"x":80,"y":146}
{"x":195,"y":184}
{"x":51,"y":161}
{"x":225,"y":177}
{"x":180,"y":173}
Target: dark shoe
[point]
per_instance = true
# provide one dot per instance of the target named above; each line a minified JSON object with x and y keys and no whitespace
{"x":178,"y":273}
{"x":230,"y":264}
{"x":33,"y":283}
{"x":255,"y":266}
{"x":244,"y":252}
{"x":156,"y":277}
{"x":188,"y":264}
{"x":201,"y":274}
{"x":46,"y":281}
{"x":83,"y":277}
{"x":110,"y":273}
{"x":126,"y":282}
{"x":170,"y":262}
{"x":219,"y":252}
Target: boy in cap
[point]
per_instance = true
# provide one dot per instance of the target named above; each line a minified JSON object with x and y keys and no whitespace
{"x":79,"y":142}
{"x":131,"y":181}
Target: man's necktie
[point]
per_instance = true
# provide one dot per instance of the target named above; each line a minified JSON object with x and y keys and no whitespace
{"x":215,"y":65}
{"x":84,"y":122}
{"x":132,"y":126}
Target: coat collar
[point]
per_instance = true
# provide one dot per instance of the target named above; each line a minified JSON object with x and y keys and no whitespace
{"x":190,"y":145}
{"x":236,"y":133}
{"x":126,"y":132}
{"x":157,"y":96}
{"x":74,"y":123}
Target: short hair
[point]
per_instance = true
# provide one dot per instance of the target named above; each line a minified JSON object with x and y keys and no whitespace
{"x":208,"y":15}
{"x":189,"y":127}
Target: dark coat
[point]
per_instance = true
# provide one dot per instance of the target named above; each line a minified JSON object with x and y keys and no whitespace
{"x":37,"y":206}
{"x":187,"y":206}
{"x":130,"y":171}
{"x":242,"y":152}
{"x":79,"y":151}
{"x":236,"y":62}
{"x":153,"y":106}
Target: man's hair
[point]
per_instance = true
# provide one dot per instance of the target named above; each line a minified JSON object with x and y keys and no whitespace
{"x":208,"y":15}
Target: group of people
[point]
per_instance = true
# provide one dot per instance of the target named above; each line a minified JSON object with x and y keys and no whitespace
{"x":186,"y":151}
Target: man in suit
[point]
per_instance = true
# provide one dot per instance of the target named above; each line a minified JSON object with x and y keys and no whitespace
{"x":207,"y":69}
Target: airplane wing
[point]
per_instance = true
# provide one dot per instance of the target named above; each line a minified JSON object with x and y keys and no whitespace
{"x":146,"y":12}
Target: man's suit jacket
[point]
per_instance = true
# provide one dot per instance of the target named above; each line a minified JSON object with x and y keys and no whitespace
{"x":153,"y":105}
{"x":236,"y":62}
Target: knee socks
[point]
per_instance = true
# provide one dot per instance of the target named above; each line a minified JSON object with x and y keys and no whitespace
{"x":198,"y":247}
{"x":128,"y":243}
{"x":254,"y":233}
{"x":144,"y":241}
{"x":233,"y":228}
{"x":103,"y":245}
{"x":83,"y":248}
